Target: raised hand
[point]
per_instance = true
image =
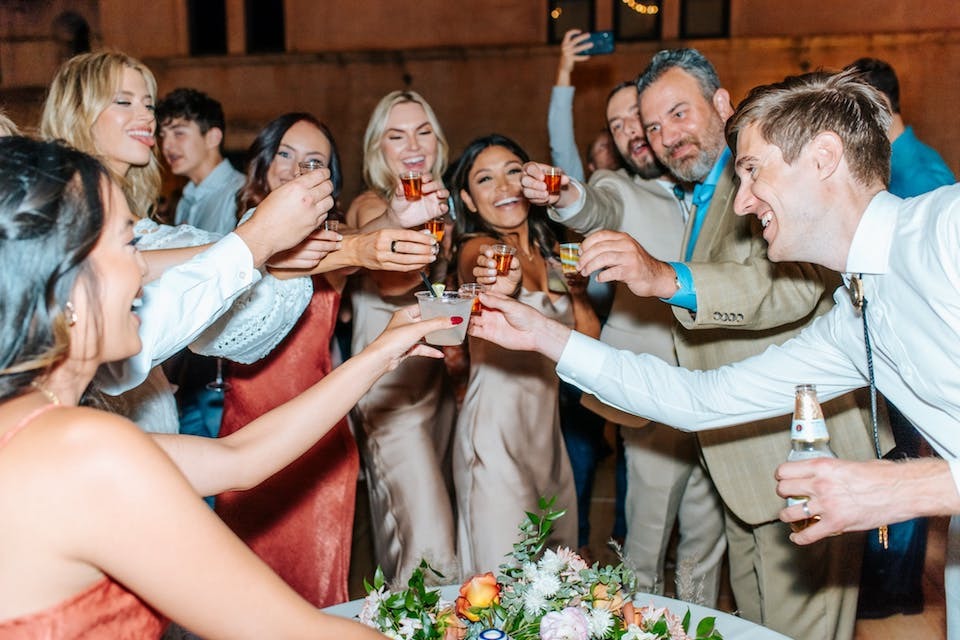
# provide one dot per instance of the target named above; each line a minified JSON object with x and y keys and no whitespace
{"x":535,"y":189}
{"x":618,"y":257}
{"x":485,"y":272}
{"x":393,"y":249}
{"x":288,"y":215}
{"x":309,"y":252}
{"x":571,"y":52}
{"x":413,"y":213}
{"x":403,"y":334}
{"x":514,"y":325}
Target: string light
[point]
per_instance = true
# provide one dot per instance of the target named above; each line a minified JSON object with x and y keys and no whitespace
{"x":640,"y":7}
{"x":555,"y":14}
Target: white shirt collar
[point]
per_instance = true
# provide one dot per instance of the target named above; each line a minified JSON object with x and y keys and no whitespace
{"x":870,"y":248}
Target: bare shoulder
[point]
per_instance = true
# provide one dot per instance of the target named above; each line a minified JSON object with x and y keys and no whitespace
{"x":79,"y":440}
{"x":364,"y":208}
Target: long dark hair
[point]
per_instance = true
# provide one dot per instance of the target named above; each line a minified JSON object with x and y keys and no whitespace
{"x":51,"y":215}
{"x":263,"y":150}
{"x":470,"y":224}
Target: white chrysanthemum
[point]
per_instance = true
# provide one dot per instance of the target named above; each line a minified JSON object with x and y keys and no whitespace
{"x":600,"y":622}
{"x":636,"y":633}
{"x":534,"y":603}
{"x":551,"y":562}
{"x":530,"y":571}
{"x":574,"y":562}
{"x":546,"y":584}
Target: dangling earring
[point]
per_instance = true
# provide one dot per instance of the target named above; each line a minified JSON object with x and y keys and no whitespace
{"x":70,"y":313}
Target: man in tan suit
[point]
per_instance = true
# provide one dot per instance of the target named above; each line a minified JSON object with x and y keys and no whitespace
{"x":730,"y":302}
{"x":665,"y":482}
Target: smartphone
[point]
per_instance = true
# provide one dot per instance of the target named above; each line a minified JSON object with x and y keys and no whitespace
{"x":602,"y":42}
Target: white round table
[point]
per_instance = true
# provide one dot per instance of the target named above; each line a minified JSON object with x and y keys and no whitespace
{"x":731,"y":627}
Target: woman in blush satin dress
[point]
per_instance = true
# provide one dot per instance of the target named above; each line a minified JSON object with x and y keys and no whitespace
{"x":404,"y":423}
{"x":299,"y":521}
{"x":508,"y":448}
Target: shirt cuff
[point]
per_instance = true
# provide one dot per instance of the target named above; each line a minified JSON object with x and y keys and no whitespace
{"x":578,"y":363}
{"x":561,"y":214}
{"x":686,"y":295}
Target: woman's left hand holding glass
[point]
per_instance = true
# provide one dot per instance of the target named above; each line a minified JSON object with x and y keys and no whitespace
{"x":404,"y":332}
{"x":309,"y":252}
{"x":485,"y":273}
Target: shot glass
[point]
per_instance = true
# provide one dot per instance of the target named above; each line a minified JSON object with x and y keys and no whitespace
{"x":472,"y":289}
{"x":331,"y":225}
{"x":435,"y":228}
{"x":570,"y":257}
{"x":412,"y":183}
{"x":551,"y":176}
{"x":310,"y":165}
{"x":450,"y":304}
{"x":503,"y":255}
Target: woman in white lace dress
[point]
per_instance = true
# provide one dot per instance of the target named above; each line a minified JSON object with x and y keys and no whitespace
{"x":102,"y":103}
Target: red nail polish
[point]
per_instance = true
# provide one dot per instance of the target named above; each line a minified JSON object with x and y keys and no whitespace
{"x":456,"y":320}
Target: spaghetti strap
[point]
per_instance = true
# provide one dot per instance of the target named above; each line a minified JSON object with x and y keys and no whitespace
{"x":5,"y":438}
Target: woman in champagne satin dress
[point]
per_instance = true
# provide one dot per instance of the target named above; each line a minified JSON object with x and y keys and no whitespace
{"x":508,"y":448}
{"x":404,"y":423}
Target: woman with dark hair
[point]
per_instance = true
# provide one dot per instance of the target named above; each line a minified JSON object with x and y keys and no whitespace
{"x":504,"y":459}
{"x":299,"y":521}
{"x":265,"y":150}
{"x":82,"y":557}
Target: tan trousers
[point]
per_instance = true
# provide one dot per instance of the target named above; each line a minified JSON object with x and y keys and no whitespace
{"x":666,"y":485}
{"x":805,"y":592}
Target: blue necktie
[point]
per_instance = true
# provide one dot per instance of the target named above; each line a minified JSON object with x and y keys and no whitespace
{"x":702,"y":195}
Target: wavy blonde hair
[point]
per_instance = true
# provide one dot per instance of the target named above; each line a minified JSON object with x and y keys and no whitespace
{"x":376,"y":173}
{"x":82,"y":89}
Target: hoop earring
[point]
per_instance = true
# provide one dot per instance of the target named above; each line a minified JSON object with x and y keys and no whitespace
{"x":70,"y":313}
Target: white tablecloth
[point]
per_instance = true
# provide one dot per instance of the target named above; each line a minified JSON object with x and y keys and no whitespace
{"x":731,"y":627}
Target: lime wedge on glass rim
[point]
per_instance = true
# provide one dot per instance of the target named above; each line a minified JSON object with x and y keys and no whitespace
{"x":438,"y":289}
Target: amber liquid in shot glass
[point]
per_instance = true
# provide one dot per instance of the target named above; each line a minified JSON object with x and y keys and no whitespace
{"x":435,"y":228}
{"x":473,"y":289}
{"x":503,"y":256}
{"x":412,"y":183}
{"x":552,"y":178}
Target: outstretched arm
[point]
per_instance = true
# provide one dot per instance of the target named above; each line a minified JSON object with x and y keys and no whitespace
{"x":266,"y":445}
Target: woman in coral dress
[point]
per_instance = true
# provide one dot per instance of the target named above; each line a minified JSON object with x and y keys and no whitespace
{"x":299,"y":521}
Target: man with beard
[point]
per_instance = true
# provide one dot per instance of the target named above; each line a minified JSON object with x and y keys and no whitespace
{"x":731,"y":302}
{"x":665,"y":481}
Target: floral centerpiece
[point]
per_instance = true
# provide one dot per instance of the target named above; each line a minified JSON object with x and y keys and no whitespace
{"x":538,"y":595}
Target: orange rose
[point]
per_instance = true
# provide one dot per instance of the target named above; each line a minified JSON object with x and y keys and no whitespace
{"x":479,"y":592}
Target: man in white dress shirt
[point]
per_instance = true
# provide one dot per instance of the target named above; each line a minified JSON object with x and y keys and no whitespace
{"x":813,"y":162}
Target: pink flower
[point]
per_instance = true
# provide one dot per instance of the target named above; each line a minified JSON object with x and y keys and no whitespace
{"x":569,"y":624}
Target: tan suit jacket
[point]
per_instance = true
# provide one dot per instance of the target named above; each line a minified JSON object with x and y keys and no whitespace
{"x":738,"y":288}
{"x":649,"y":213}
